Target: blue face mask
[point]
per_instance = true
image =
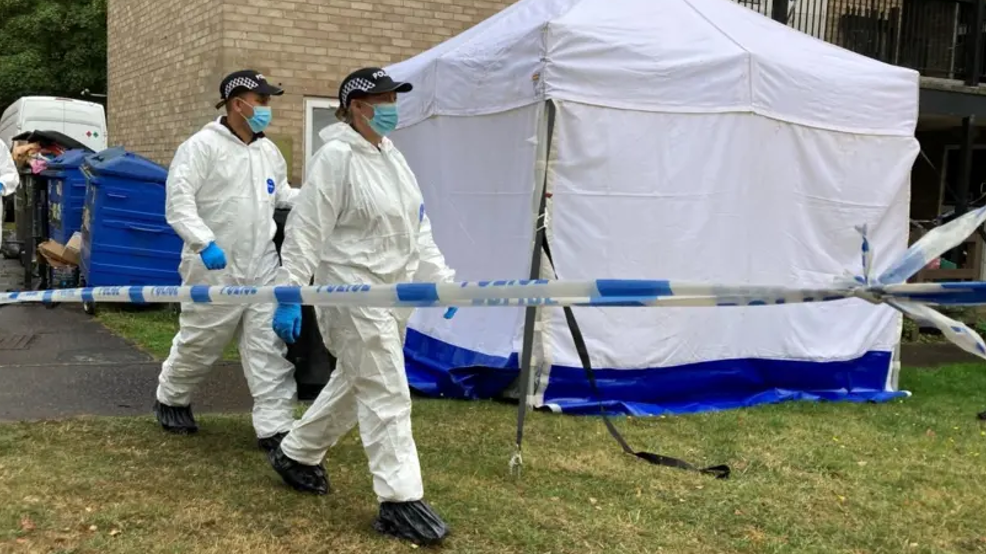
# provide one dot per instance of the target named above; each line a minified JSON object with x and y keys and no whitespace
{"x":261,"y":119}
{"x":262,"y":116}
{"x":384,"y":119}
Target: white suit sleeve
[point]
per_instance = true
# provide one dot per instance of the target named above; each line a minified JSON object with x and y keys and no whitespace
{"x":188,"y":172}
{"x":285,"y":194}
{"x":431,"y":264}
{"x":9,"y":178}
{"x":313,"y":218}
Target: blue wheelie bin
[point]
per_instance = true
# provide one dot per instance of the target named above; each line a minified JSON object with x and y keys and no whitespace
{"x":126,"y":240}
{"x":66,"y":195}
{"x":66,"y":200}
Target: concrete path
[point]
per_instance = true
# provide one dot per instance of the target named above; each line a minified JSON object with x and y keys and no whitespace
{"x":59,"y":362}
{"x":930,"y":356}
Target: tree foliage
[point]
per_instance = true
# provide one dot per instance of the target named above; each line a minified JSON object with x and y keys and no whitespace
{"x":52,"y":48}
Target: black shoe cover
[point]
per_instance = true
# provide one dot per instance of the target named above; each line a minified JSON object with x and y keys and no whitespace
{"x":982,"y":416}
{"x":411,"y":521}
{"x":270,"y":443}
{"x":299,"y":476}
{"x":176,"y":419}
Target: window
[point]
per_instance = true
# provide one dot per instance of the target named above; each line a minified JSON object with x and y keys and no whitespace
{"x":319,"y":114}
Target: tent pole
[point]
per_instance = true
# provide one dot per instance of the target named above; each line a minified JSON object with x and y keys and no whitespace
{"x":530,"y":319}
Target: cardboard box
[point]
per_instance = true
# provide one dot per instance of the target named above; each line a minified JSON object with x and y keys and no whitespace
{"x":60,"y":256}
{"x":74,"y":246}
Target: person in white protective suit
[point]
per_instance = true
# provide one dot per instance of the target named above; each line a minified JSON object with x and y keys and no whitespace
{"x":223,"y":186}
{"x":360,"y":219}
{"x":9,"y":179}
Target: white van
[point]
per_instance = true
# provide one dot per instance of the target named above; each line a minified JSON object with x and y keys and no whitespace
{"x":83,"y":121}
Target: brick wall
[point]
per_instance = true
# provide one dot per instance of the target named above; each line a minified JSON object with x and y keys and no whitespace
{"x":306,"y":45}
{"x":163,"y":58}
{"x":310,"y":45}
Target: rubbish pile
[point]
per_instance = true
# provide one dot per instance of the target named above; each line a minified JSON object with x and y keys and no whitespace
{"x":37,"y":149}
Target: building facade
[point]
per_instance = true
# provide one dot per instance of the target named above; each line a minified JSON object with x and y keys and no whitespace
{"x":166,"y":59}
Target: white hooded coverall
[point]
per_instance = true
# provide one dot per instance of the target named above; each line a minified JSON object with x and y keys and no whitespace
{"x":223,"y":190}
{"x":9,"y":179}
{"x":360,"y":219}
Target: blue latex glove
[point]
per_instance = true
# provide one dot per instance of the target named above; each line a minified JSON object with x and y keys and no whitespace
{"x":450,"y":313}
{"x":213,"y":257}
{"x":287,"y":322}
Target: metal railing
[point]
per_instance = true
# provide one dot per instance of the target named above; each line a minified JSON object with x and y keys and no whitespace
{"x":936,"y":37}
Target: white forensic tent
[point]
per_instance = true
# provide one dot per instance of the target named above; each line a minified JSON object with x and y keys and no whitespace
{"x":689,"y":140}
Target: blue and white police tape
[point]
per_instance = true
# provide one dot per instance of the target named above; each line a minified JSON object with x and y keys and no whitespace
{"x":930,"y":246}
{"x":604,"y":292}
{"x":910,"y":299}
{"x":890,"y":288}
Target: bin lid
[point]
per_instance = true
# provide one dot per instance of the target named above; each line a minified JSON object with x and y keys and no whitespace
{"x":117,"y":162}
{"x":73,"y":159}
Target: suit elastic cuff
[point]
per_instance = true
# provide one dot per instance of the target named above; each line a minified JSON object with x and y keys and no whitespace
{"x":199,"y":246}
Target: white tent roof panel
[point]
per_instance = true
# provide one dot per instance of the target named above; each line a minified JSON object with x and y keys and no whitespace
{"x":689,"y":56}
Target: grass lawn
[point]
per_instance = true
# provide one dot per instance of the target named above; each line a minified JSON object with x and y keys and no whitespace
{"x":907,"y":476}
